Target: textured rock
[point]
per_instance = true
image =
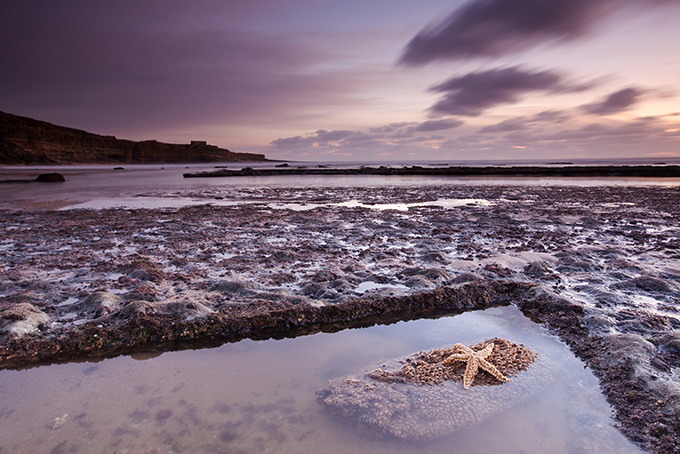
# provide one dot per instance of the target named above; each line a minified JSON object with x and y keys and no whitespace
{"x":101,"y":303}
{"x":144,"y":269}
{"x":178,"y":308}
{"x":647,"y":283}
{"x":234,"y":286}
{"x":22,"y":318}
{"x":415,"y":412}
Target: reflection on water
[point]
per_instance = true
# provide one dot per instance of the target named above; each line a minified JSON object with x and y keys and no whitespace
{"x":260,"y":397}
{"x":153,"y":186}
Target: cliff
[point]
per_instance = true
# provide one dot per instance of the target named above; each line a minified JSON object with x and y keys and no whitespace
{"x":28,"y":141}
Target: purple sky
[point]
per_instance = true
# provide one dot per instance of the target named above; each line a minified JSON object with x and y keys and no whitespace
{"x":355,"y":80}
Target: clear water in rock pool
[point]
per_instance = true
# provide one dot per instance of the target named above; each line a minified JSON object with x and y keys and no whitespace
{"x":259,"y":396}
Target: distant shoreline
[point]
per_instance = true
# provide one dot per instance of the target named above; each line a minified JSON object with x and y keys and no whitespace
{"x":27,"y":141}
{"x":656,"y":171}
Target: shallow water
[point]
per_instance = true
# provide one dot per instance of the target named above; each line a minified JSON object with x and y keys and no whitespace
{"x":259,"y":396}
{"x":155,"y":186}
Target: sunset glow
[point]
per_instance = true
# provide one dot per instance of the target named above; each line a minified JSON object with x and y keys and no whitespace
{"x":349,"y":80}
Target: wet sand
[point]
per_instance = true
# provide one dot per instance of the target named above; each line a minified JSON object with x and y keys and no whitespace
{"x":599,"y":266}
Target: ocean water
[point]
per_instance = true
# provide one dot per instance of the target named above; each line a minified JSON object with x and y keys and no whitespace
{"x":163,"y":186}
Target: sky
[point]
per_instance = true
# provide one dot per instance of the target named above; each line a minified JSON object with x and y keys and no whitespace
{"x":355,"y":80}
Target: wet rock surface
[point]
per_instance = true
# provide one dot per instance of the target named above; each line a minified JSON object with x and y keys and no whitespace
{"x":435,"y":366}
{"x":21,"y":318}
{"x":599,"y":266}
{"x":394,"y":401}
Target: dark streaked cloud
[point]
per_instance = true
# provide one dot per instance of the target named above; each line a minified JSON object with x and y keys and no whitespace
{"x":475,"y":92}
{"x":493,"y":28}
{"x":615,"y":138}
{"x":551,"y":116}
{"x":289,"y":141}
{"x":616,"y":102}
{"x":509,"y":125}
{"x":385,"y":139}
{"x":392,"y":127}
{"x":438,"y":125}
{"x":521,"y":123}
{"x":157,"y":64}
{"x":331,"y":136}
{"x":605,"y":133}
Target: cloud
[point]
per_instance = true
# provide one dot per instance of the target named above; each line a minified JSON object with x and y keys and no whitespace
{"x":551,"y":134}
{"x":494,"y":28}
{"x":637,"y":134}
{"x":393,"y":138}
{"x":289,"y":141}
{"x":551,"y":116}
{"x":509,"y":125}
{"x":438,"y":125}
{"x":476,"y":92}
{"x":385,"y":129}
{"x":572,"y":139}
{"x":521,"y":123}
{"x":491,"y":28}
{"x":335,"y":135}
{"x":616,"y":102}
{"x":159,"y":64}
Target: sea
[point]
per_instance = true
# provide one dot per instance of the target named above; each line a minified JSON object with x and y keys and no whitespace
{"x":158,"y":186}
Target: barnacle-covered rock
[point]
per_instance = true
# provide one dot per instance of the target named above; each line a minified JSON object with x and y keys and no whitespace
{"x":21,"y":318}
{"x":396,"y":401}
{"x":100,"y":303}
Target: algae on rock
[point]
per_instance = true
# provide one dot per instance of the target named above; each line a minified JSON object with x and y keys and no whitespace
{"x":392,"y":401}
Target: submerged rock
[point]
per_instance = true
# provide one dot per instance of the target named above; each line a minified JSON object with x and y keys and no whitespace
{"x":397,"y":404}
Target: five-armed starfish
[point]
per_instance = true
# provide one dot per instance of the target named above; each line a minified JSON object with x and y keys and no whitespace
{"x":474,"y":360}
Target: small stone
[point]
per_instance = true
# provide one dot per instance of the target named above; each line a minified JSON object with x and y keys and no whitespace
{"x":50,"y":178}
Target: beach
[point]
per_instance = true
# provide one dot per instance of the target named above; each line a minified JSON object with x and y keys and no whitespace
{"x":198,"y":264}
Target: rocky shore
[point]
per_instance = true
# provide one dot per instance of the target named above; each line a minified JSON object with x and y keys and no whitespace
{"x":598,"y":266}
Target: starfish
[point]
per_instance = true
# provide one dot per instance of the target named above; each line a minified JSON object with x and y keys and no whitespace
{"x":474,"y":360}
